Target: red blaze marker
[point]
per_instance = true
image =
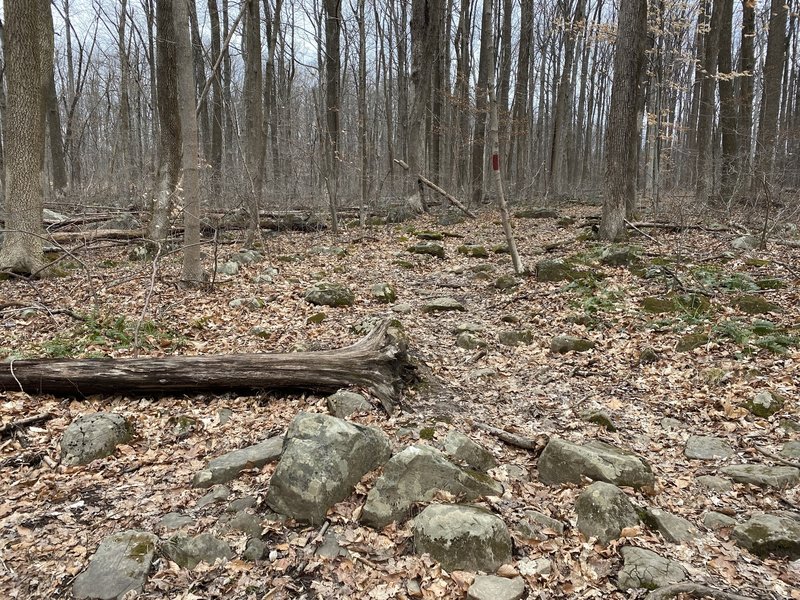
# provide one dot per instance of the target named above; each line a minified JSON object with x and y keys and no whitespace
{"x":495,"y":162}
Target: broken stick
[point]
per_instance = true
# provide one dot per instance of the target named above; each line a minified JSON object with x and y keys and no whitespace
{"x":450,"y":198}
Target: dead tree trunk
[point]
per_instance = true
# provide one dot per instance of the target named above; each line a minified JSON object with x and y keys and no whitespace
{"x":377,"y":362}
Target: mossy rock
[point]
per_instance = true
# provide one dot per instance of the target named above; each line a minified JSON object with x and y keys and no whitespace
{"x":316,"y":318}
{"x":691,"y":341}
{"x":429,"y":248}
{"x":430,"y":235}
{"x":506,"y":282}
{"x":556,"y":270}
{"x":658,"y":305}
{"x":515,"y":337}
{"x":473,"y":251}
{"x":764,"y":404}
{"x":566,"y":222}
{"x":619,"y":257}
{"x":500,"y":249}
{"x":754,"y":305}
{"x":770,"y":283}
{"x":562,"y":344}
{"x":404,"y":264}
{"x":383,"y":292}
{"x":330,"y":294}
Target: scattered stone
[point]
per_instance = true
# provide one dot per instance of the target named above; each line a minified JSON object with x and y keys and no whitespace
{"x":646,"y":569}
{"x":536,"y":213}
{"x":51,"y":216}
{"x":506,"y":282}
{"x":766,"y":534}
{"x":648,"y":355}
{"x":565,"y":462}
{"x":124,"y":220}
{"x":791,"y":450}
{"x":218,"y":493}
{"x":342,"y":404}
{"x":599,"y":417}
{"x":119,"y":565}
{"x":245,"y":522}
{"x":764,"y":404}
{"x":745,"y":242}
{"x":541,"y":567}
{"x":92,"y":436}
{"x":463,"y":538}
{"x":189,"y":552}
{"x":670,"y":424}
{"x":449,"y":218}
{"x":252,"y":303}
{"x":754,"y":305}
{"x":716,"y":521}
{"x":469,"y":341}
{"x":468,"y":327}
{"x":330,"y":548}
{"x":224,"y":415}
{"x":513,"y":337}
{"x":510,"y":472}
{"x":323,"y":459}
{"x":226,"y":467}
{"x":430,"y":235}
{"x":537,"y":526}
{"x":137,"y":253}
{"x":463,"y":449}
{"x":402,"y":309}
{"x":619,"y":257}
{"x":175,"y":520}
{"x":603,"y":511}
{"x":442,"y":305}
{"x":763,"y":475}
{"x":330,"y":294}
{"x":415,"y":475}
{"x":675,"y":529}
{"x":692,"y":341}
{"x":713,"y":483}
{"x":256,"y":549}
{"x":241,"y":504}
{"x":657,"y":306}
{"x":790,"y":426}
{"x":491,"y":587}
{"x":473,"y":250}
{"x":328,"y":250}
{"x":430,"y":248}
{"x":246,"y":257}
{"x":500,"y":249}
{"x":555,"y":270}
{"x":704,"y":447}
{"x":228,"y":268}
{"x":566,"y":343}
{"x":383,"y":292}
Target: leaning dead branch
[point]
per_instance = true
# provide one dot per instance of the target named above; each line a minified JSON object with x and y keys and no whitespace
{"x":694,"y":590}
{"x":514,"y":439}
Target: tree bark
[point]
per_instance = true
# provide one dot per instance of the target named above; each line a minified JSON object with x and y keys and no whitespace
{"x":254,"y":115}
{"x":622,"y":128}
{"x":479,"y":131}
{"x":704,"y":187}
{"x":377,"y":362}
{"x":54,"y":118}
{"x":215,"y":157}
{"x":727,"y":109}
{"x":24,"y":136}
{"x":333,"y":18}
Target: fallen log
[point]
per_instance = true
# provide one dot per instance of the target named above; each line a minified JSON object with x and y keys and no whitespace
{"x":94,"y":234}
{"x":377,"y":362}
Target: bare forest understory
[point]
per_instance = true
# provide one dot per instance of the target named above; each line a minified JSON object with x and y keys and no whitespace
{"x":682,"y":326}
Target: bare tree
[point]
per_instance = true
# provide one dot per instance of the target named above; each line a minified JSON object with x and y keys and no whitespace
{"x":481,"y":94}
{"x":621,"y":136}
{"x":254,"y":115}
{"x":333,"y":27}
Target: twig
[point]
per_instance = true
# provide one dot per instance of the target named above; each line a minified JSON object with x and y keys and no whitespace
{"x":520,"y":441}
{"x":773,"y":456}
{"x":693,"y":589}
{"x":647,"y":235}
{"x":19,"y":423}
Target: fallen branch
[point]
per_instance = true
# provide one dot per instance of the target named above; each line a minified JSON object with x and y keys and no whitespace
{"x":95,"y":234}
{"x":27,"y":421}
{"x":673,"y":226}
{"x":775,"y":457}
{"x":450,"y":198}
{"x":520,"y":441}
{"x":789,"y":243}
{"x":695,"y":590}
{"x":378,"y":363}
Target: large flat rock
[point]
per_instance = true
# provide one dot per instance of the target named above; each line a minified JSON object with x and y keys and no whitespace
{"x":226,"y":467}
{"x":763,"y":475}
{"x":767,"y":534}
{"x":120,"y":565}
{"x":604,"y":511}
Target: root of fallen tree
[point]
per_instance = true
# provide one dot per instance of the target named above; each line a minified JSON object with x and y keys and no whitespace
{"x":377,"y":363}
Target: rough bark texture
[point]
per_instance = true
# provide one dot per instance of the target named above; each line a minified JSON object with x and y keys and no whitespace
{"x":479,"y":135}
{"x":705,"y":123}
{"x":727,"y":109}
{"x":59,"y":167}
{"x":215,"y":158}
{"x":24,"y":137}
{"x":333,"y":18}
{"x":377,"y":362}
{"x":253,"y":114}
{"x":621,"y":142}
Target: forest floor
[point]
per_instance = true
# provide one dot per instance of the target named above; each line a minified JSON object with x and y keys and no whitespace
{"x":53,"y":517}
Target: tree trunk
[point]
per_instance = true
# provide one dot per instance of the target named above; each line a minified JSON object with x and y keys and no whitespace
{"x":727,"y":110}
{"x":622,"y":128}
{"x":200,"y":80}
{"x":744,"y":117}
{"x":192,"y":271}
{"x":704,"y":187}
{"x":377,"y":362}
{"x":518,"y":144}
{"x":54,"y":119}
{"x":215,"y":157}
{"x":24,"y":135}
{"x":481,"y":93}
{"x":333,"y":18}
{"x":253,"y":115}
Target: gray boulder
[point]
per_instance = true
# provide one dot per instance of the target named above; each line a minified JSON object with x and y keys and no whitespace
{"x":603,"y":511}
{"x":442,"y":305}
{"x":491,"y":587}
{"x":175,"y":520}
{"x":763,"y":475}
{"x":218,"y":493}
{"x":463,"y":538}
{"x":342,"y":404}
{"x":536,"y":526}
{"x":554,"y":270}
{"x":473,"y":250}
{"x":703,"y":447}
{"x":383,"y":292}
{"x":713,"y":483}
{"x":767,"y":534}
{"x":565,"y":462}
{"x":323,"y":459}
{"x":469,"y":341}
{"x":226,"y":467}
{"x":648,"y":570}
{"x":430,"y":248}
{"x":791,"y":450}
{"x":716,"y":521}
{"x":764,"y":404}
{"x":745,"y":242}
{"x":188,"y":552}
{"x":228,"y":268}
{"x":512,"y":337}
{"x":674,"y":528}
{"x":120,"y":565}
{"x":562,"y":344}
{"x":256,"y":549}
{"x":415,"y":475}
{"x":94,"y":436}
{"x":462,"y":449}
{"x":330,"y":294}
